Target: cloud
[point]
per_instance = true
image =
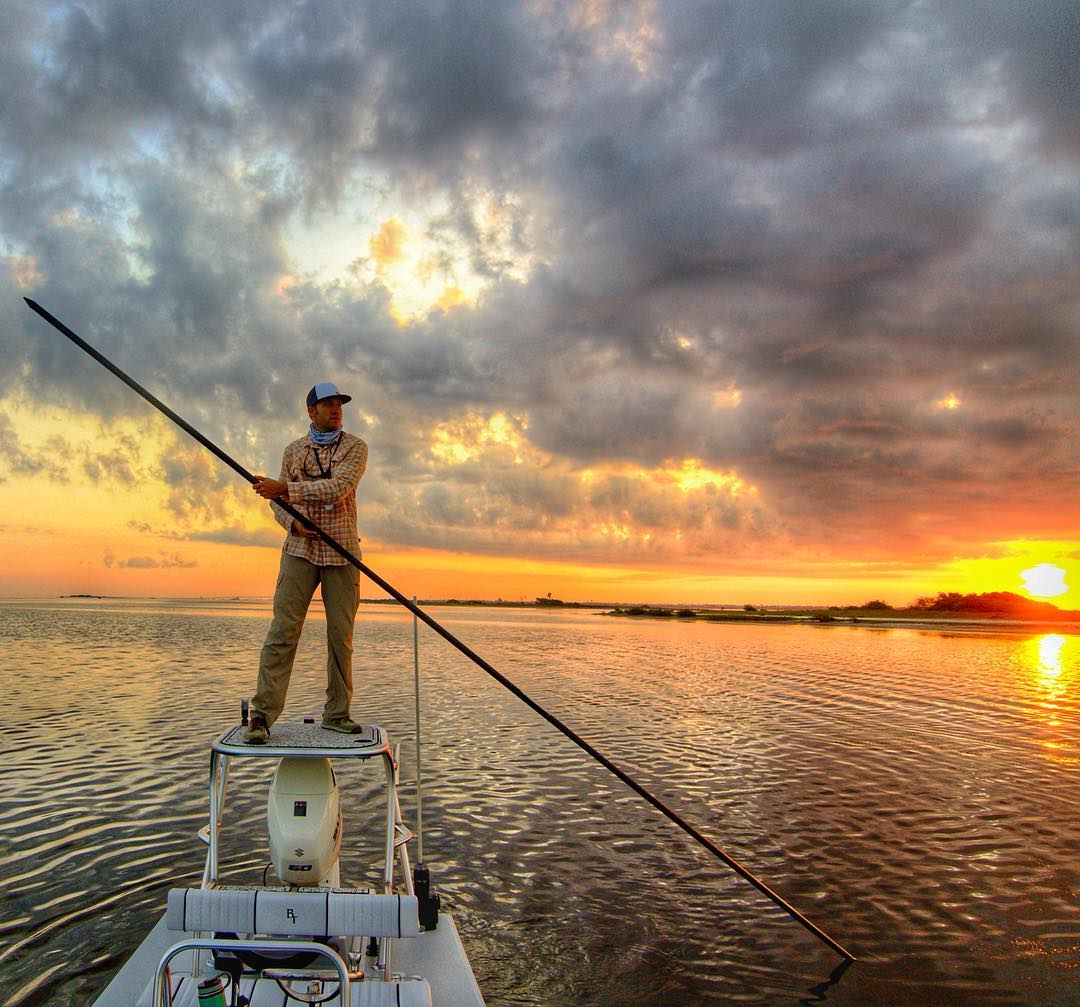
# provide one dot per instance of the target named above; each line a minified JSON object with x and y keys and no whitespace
{"x":386,"y":245}
{"x":229,"y":535}
{"x":261,"y":537}
{"x":163,"y":561}
{"x":765,"y":238}
{"x":47,"y":460}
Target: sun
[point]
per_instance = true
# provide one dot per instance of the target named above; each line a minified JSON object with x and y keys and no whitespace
{"x":1044,"y":581}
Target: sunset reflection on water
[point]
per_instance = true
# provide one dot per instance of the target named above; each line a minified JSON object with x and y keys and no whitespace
{"x":1052,"y":659}
{"x":1050,"y":648}
{"x":907,"y":785}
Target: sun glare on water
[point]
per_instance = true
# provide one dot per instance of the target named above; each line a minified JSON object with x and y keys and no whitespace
{"x":1044,"y":581}
{"x":1050,"y":648}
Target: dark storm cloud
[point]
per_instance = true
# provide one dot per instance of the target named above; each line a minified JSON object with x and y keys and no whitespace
{"x":1036,"y":46}
{"x":452,"y":71}
{"x":91,"y":79}
{"x":774,"y":237}
{"x":406,"y":84}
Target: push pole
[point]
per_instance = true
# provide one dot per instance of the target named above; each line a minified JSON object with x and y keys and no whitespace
{"x":476,"y":659}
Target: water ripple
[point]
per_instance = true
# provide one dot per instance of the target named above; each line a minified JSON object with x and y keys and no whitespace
{"x":911,"y":792}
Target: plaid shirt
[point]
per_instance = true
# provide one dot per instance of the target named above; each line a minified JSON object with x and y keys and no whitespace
{"x":329,"y":501}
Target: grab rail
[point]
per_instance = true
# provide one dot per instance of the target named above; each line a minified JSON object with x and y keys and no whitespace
{"x":215,"y":944}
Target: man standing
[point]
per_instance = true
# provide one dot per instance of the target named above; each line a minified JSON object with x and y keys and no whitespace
{"x":319,"y":475}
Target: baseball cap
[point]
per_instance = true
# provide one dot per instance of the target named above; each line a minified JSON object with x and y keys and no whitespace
{"x":326,"y":390}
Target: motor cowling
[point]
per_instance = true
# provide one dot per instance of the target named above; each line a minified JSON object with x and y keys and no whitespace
{"x":303,"y":817}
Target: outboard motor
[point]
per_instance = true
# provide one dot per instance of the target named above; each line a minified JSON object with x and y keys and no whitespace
{"x":303,"y":816}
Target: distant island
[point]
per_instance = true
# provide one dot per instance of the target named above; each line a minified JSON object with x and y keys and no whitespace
{"x":988,"y":608}
{"x":994,"y":609}
{"x":547,"y":602}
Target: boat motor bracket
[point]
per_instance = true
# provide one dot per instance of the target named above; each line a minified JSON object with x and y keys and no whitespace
{"x":428,"y":900}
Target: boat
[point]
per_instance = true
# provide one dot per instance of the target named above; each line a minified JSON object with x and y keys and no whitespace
{"x":307,"y":939}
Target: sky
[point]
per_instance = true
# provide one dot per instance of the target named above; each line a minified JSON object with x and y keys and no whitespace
{"x":762,"y":302}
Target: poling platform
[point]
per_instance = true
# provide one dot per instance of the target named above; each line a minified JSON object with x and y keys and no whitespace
{"x":306,"y":739}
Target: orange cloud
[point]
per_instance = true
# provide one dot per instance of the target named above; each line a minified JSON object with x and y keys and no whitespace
{"x":24,"y":271}
{"x":451,"y":297}
{"x":388,"y":246}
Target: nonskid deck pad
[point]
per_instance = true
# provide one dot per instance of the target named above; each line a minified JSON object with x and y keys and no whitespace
{"x":292,"y":734}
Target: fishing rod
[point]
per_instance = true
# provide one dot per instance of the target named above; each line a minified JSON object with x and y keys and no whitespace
{"x":449,"y":637}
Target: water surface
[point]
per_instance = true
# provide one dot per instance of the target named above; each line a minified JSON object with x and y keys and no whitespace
{"x":912,"y":792}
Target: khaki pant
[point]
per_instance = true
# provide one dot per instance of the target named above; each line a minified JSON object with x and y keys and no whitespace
{"x":296,"y":585}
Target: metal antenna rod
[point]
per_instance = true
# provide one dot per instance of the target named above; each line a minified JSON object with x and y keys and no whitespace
{"x":476,"y":659}
{"x":419,"y":791}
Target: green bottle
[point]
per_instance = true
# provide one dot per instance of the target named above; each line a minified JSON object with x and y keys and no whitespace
{"x":212,"y":992}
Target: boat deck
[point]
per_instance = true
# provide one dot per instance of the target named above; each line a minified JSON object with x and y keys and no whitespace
{"x":437,"y":955}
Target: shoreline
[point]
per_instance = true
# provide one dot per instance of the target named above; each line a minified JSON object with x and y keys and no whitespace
{"x":899,"y":619}
{"x":952,"y":623}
